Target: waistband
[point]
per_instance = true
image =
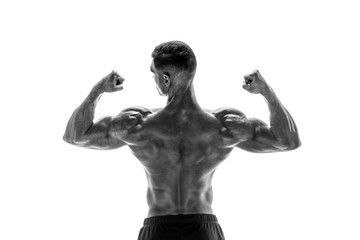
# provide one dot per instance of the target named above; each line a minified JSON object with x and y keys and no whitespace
{"x":181,"y":218}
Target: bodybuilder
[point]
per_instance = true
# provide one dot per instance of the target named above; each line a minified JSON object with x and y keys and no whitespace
{"x":181,"y":145}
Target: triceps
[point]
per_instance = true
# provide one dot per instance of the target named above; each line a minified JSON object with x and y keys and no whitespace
{"x":102,"y":135}
{"x":261,"y":139}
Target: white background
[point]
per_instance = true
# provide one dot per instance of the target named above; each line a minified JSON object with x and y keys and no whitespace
{"x":53,"y":52}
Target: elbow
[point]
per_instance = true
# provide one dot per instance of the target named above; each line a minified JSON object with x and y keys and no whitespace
{"x":72,"y":140}
{"x":293,"y":144}
{"x":68,"y":139}
{"x":289,"y":144}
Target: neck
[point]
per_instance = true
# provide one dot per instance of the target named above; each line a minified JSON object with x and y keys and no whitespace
{"x":183,"y":98}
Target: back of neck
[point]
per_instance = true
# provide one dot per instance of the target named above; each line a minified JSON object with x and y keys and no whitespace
{"x":182,"y":99}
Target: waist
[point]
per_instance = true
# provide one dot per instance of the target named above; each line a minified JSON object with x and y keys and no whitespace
{"x":172,"y":203}
{"x":180,"y":219}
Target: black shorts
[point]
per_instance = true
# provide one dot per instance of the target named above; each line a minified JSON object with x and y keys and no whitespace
{"x":181,"y":227}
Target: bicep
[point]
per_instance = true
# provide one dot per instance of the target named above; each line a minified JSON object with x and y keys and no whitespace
{"x":101,"y":136}
{"x":262,"y":139}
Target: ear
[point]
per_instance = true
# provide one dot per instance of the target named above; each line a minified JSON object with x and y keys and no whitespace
{"x":166,"y":77}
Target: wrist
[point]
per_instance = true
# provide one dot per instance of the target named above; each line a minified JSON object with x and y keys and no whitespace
{"x":98,"y":89}
{"x":266,"y":90}
{"x":96,"y":92}
{"x":268,"y":93}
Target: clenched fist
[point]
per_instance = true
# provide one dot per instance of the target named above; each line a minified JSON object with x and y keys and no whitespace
{"x":113,"y":82}
{"x":255,"y":83}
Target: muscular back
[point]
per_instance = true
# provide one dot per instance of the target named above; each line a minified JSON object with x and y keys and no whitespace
{"x":180,"y":154}
{"x":181,"y":145}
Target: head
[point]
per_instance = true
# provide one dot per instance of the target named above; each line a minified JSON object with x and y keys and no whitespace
{"x":174,"y":63}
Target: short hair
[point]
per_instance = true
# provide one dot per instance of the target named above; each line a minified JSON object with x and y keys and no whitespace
{"x":176,"y":54}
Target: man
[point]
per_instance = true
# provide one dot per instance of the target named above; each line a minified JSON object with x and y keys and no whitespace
{"x":181,"y":145}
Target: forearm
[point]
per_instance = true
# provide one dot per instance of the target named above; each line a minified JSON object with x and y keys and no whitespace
{"x":282,"y":125}
{"x":82,"y":118}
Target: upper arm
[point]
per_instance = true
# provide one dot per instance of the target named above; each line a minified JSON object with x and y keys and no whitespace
{"x":251,"y":135}
{"x":262,"y":139}
{"x":114,"y":132}
{"x":102,"y":135}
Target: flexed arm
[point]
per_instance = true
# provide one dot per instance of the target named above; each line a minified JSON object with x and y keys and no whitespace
{"x":253,"y":134}
{"x":282,"y":134}
{"x":81,"y":131}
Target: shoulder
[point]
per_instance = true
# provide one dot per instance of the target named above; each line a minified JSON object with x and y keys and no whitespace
{"x":133,"y":115}
{"x":130,"y":115}
{"x":221,"y":112}
{"x":139,"y":109}
{"x":234,"y":126}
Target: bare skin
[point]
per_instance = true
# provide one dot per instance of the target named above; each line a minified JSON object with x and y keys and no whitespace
{"x":181,"y":145}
